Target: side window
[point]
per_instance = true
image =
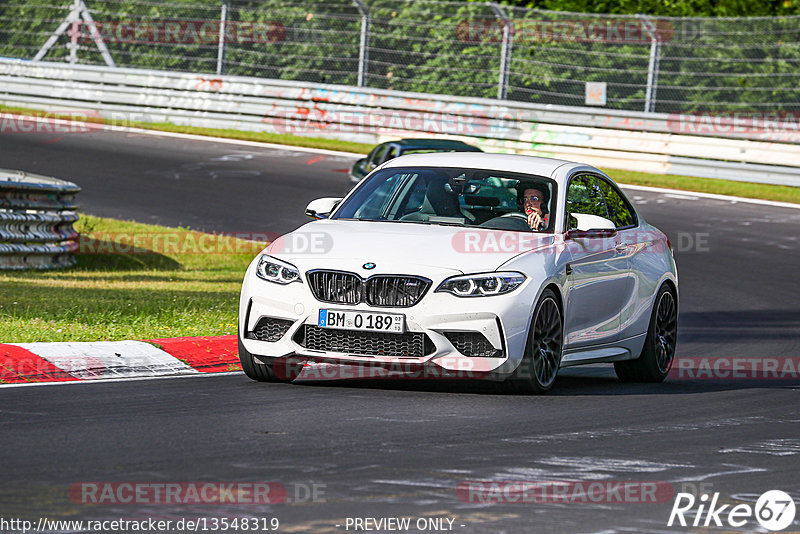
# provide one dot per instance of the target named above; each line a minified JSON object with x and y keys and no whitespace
{"x":374,"y":157}
{"x":415,"y":196}
{"x":619,"y":210}
{"x":585,"y":196}
{"x":376,"y":204}
{"x":391,"y":153}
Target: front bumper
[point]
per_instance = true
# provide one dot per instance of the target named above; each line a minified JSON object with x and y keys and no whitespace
{"x":502,"y":320}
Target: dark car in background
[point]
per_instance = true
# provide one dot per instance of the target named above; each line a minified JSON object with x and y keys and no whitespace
{"x":391,"y":149}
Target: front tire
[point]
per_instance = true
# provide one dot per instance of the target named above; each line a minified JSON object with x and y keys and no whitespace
{"x":260,"y":372}
{"x":542,"y":359}
{"x":658,"y":352}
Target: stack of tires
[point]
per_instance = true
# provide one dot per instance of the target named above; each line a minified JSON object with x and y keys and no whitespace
{"x":36,"y":218}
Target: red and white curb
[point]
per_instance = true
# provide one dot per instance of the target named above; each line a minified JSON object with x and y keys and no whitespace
{"x":22,"y":363}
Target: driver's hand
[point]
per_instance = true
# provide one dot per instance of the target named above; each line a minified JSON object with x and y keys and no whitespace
{"x":534,"y":221}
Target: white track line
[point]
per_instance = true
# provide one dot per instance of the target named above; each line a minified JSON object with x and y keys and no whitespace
{"x":113,"y":380}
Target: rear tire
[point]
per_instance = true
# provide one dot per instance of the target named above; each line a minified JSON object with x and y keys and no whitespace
{"x":537,"y":371}
{"x":260,"y":372}
{"x":658,"y":353}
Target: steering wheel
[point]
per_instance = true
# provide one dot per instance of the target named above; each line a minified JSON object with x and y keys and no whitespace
{"x":518,"y":215}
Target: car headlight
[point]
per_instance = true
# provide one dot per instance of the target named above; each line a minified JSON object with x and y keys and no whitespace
{"x":274,"y":270}
{"x":482,"y":285}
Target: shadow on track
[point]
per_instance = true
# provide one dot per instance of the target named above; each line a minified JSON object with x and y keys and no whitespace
{"x":594,"y":380}
{"x":739,"y":326}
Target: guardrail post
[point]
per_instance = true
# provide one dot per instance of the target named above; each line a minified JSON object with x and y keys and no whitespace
{"x":223,"y":22}
{"x":363,"y":50}
{"x":505,"y":51}
{"x":652,"y":68}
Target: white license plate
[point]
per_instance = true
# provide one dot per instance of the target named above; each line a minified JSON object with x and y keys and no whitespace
{"x":363,"y":321}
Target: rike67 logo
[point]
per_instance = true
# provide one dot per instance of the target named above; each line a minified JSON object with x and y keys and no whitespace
{"x":774,"y":510}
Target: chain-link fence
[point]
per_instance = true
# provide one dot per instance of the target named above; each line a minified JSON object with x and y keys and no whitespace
{"x":474,"y":49}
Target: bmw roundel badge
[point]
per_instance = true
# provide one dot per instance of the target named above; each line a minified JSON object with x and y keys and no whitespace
{"x":369,"y":266}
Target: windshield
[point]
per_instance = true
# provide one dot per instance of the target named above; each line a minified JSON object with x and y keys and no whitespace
{"x":454,"y":196}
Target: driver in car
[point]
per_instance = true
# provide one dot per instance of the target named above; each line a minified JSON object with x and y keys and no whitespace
{"x":532,"y":201}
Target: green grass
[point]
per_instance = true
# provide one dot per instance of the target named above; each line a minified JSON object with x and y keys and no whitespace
{"x":175,"y":282}
{"x":780,"y":193}
{"x":685,"y":183}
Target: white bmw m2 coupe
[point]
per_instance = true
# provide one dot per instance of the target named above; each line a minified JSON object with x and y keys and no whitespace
{"x":465,"y":265}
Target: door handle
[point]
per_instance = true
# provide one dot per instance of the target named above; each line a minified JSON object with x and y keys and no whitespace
{"x":569,"y":269}
{"x":621,"y":247}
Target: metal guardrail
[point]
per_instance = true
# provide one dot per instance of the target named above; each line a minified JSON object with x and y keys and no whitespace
{"x":639,"y":141}
{"x":36,"y":218}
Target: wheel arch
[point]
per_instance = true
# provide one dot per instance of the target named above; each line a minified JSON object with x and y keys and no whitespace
{"x":557,"y":291}
{"x":673,"y":288}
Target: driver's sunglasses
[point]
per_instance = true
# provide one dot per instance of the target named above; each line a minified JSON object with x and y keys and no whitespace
{"x":533,"y":198}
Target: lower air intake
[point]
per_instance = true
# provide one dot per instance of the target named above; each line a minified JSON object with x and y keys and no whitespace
{"x":270,"y":329}
{"x":406,"y":345}
{"x":473,"y":344}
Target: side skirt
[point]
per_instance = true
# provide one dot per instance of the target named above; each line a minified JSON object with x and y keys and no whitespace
{"x":624,"y":349}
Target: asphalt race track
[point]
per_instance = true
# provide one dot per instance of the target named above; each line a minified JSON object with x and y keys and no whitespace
{"x":401,"y":449}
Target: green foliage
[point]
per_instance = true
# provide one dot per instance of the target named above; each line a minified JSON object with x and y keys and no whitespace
{"x":671,"y":8}
{"x":455,"y":48}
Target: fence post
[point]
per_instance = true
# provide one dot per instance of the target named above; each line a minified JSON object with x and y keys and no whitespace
{"x":75,"y":31}
{"x":73,"y":16}
{"x":652,"y":67}
{"x":363,"y":50}
{"x":71,"y":25}
{"x":223,"y":20}
{"x":505,"y":51}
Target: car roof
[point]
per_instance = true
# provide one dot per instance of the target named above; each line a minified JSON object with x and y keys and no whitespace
{"x":498,"y":162}
{"x":433,"y":143}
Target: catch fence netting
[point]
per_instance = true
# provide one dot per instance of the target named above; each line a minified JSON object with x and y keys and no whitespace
{"x":469,"y":49}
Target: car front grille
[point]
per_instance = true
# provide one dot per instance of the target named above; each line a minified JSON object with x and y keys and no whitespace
{"x":473,"y":344}
{"x":395,"y":291}
{"x":270,"y":329}
{"x":406,"y":345}
{"x":335,"y":287}
{"x":392,"y":291}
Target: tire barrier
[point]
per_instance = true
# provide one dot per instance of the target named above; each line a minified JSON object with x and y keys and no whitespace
{"x":36,"y":218}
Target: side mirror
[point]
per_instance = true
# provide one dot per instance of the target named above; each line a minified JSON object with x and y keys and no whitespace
{"x":592,"y":226}
{"x":322,"y":207}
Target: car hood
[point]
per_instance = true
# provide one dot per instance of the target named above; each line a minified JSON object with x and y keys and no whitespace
{"x":406,"y":248}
